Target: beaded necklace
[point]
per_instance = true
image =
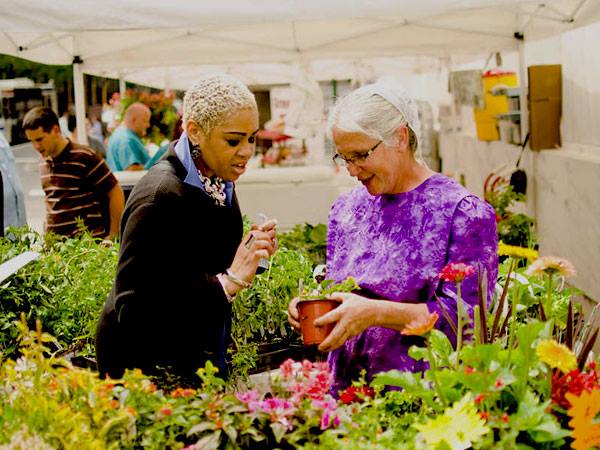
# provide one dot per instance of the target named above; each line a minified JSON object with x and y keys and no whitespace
{"x":213,"y":186}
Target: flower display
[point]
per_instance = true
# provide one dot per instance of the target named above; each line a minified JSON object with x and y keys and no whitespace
{"x":456,"y":272}
{"x":551,"y":265}
{"x":421,"y":326}
{"x":557,"y":356}
{"x":517,"y":252}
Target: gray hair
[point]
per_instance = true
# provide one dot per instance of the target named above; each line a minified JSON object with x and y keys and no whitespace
{"x":377,"y":110}
{"x":212,"y":99}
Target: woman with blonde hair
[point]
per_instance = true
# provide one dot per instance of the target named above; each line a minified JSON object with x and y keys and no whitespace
{"x":182,"y":257}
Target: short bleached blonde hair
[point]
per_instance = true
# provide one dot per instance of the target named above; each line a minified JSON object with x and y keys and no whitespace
{"x":213,"y":98}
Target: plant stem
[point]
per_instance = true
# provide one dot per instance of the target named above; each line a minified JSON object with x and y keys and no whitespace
{"x":513,"y":323}
{"x":432,"y":371}
{"x":548,"y":295}
{"x":459,"y":331}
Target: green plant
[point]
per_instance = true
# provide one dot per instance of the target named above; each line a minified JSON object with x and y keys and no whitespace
{"x":260,"y":312}
{"x":315,"y":290}
{"x":513,"y":228}
{"x":65,"y":288}
{"x":308,"y":239}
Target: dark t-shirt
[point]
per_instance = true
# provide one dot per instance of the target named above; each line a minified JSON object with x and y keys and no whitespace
{"x":76,"y":184}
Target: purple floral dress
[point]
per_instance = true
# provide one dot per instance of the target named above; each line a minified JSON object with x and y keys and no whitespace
{"x":394,"y":246}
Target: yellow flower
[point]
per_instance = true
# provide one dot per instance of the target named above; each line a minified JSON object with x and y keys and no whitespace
{"x":517,"y":252}
{"x":550,"y":265}
{"x":460,"y":426}
{"x":556,"y":355}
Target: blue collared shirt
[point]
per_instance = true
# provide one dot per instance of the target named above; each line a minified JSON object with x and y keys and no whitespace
{"x":182,"y":150}
{"x":124,"y":149}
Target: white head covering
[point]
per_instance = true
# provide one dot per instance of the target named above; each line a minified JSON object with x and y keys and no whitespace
{"x":393,"y":92}
{"x":377,"y":110}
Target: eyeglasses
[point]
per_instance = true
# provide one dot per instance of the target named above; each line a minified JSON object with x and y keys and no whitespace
{"x":357,"y":159}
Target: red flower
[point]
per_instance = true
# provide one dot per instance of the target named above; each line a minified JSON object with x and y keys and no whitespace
{"x":498,"y":384}
{"x":479,"y":398}
{"x":456,"y":272}
{"x":165,"y":411}
{"x":484,"y":415}
{"x":469,"y":370}
{"x":356,"y":394}
{"x":505,"y":418}
{"x":574,"y":382}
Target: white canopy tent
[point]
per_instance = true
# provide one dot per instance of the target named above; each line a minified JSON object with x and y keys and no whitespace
{"x":117,"y":37}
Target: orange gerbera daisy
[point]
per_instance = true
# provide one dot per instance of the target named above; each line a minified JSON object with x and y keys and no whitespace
{"x":421,"y":326}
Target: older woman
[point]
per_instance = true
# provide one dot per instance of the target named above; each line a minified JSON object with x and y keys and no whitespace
{"x":182,"y":256}
{"x":393,"y":234}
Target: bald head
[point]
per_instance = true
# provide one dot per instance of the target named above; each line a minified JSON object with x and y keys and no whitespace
{"x":137,"y":118}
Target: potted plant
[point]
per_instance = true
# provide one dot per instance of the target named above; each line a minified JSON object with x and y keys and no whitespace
{"x":318,"y":302}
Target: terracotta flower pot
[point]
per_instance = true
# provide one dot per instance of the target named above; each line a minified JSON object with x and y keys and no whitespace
{"x":310,"y":310}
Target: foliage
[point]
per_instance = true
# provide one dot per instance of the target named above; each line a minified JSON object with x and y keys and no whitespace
{"x":513,"y":228}
{"x":308,"y":239}
{"x":315,"y":290}
{"x":260,"y":312}
{"x":164,"y":116}
{"x":65,"y":288}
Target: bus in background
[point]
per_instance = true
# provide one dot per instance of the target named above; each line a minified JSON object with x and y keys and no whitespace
{"x":17,"y":96}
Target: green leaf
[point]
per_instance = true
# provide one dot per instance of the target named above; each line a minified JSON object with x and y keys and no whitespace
{"x":441,"y":346}
{"x":231,"y":433}
{"x":279,"y":431}
{"x":201,"y":427}
{"x":397,"y":378}
{"x":209,"y":442}
{"x":418,"y":353}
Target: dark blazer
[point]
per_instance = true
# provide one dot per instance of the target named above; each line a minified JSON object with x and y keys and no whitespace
{"x":166,"y":308}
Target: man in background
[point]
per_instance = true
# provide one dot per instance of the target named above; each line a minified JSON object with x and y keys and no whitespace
{"x":125,"y":148}
{"x":93,"y":143}
{"x":77,"y":183}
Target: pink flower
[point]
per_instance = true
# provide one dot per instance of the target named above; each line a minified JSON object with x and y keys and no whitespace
{"x":277,"y":407}
{"x":287,"y":368}
{"x":328,"y":419}
{"x":306,"y":368}
{"x":248,"y":396}
{"x":456,"y":272}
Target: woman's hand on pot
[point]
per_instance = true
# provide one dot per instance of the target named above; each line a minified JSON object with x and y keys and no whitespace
{"x":354,"y":315}
{"x":293,"y":314}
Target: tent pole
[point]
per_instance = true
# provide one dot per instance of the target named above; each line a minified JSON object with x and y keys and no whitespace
{"x":79,"y":100}
{"x":122,"y":85}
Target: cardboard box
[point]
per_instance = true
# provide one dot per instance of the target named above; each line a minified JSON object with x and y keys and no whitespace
{"x":545,"y":82}
{"x":544,"y":124}
{"x":545,"y":106}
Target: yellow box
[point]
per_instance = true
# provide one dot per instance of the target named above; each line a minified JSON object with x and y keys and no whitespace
{"x":487,"y":127}
{"x":485,"y":119}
